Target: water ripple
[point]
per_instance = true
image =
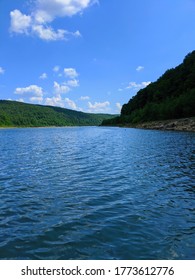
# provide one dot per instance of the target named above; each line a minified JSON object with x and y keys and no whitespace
{"x":96,"y":193}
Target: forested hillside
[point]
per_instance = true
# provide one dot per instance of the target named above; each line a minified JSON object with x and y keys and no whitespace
{"x":18,"y":114}
{"x":172,"y":96}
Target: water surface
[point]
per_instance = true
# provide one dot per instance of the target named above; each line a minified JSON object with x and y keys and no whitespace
{"x":96,"y":193}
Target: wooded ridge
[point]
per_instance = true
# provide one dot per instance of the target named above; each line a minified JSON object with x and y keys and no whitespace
{"x":172,"y":96}
{"x":19,"y":114}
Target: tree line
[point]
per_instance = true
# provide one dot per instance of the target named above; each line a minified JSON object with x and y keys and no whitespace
{"x":172,"y":96}
{"x":18,"y":114}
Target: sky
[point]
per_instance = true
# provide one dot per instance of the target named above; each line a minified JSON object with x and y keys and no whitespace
{"x":90,"y":55}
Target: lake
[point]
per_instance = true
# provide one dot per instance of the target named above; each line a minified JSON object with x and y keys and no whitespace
{"x":96,"y":193}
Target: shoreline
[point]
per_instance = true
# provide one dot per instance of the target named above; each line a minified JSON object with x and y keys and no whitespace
{"x":64,"y":126}
{"x":184,"y":124}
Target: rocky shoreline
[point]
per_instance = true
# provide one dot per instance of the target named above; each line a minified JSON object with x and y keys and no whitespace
{"x":186,"y":124}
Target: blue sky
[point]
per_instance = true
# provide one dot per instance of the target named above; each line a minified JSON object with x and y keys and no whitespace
{"x":90,"y":55}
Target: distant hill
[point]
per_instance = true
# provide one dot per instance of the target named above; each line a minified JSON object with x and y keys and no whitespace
{"x":172,"y":96}
{"x":18,"y":114}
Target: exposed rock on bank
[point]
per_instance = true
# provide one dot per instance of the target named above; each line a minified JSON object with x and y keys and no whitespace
{"x":187,"y":124}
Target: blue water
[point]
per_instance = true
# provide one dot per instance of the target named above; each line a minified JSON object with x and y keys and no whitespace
{"x":96,"y":193}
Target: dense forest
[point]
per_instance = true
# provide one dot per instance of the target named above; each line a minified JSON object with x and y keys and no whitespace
{"x":172,"y":96}
{"x":18,"y":114}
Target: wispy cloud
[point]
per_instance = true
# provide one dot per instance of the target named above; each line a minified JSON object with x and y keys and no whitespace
{"x":2,"y":71}
{"x":37,"y":99}
{"x":19,"y":100}
{"x":48,"y":34}
{"x":43,"y":76}
{"x":43,"y":14}
{"x":56,"y":68}
{"x":119,"y":106}
{"x":99,"y":107}
{"x":84,"y":98}
{"x":135,"y":86}
{"x":139,"y":68}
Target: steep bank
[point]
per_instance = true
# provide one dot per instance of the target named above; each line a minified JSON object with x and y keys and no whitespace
{"x":186,"y":124}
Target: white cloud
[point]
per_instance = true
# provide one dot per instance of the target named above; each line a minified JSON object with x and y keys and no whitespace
{"x":56,"y":68}
{"x":84,"y":98}
{"x":44,"y":12}
{"x":63,"y":88}
{"x":99,"y":107}
{"x":54,"y":101}
{"x":71,"y":104}
{"x":133,"y":85}
{"x":43,"y":76}
{"x":2,"y":71}
{"x":139,"y":68}
{"x":98,"y":104}
{"x":19,"y":100}
{"x":59,"y":102}
{"x":145,"y":84}
{"x":70,"y":73}
{"x":33,"y":92}
{"x":59,"y":89}
{"x":34,"y":89}
{"x":48,"y":10}
{"x":119,"y":106}
{"x":73,"y":83}
{"x":137,"y":86}
{"x":77,"y":34}
{"x":20,"y":23}
{"x":38,"y":99}
{"x":47,"y":33}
